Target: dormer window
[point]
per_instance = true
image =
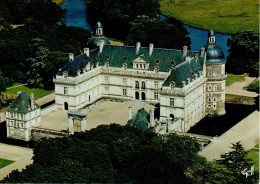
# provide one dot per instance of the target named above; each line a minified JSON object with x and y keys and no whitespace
{"x":140,"y":63}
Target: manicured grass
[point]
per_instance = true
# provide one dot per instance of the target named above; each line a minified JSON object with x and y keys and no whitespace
{"x":231,"y":78}
{"x":38,"y":93}
{"x":254,"y":155}
{"x":4,"y":162}
{"x":238,"y":96}
{"x":58,"y":1}
{"x":254,"y":86}
{"x":225,"y":16}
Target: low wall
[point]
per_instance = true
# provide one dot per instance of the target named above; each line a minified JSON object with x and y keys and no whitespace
{"x":240,"y":100}
{"x":48,"y":109}
{"x":46,"y":99}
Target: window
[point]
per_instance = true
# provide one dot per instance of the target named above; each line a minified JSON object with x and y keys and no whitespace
{"x":143,"y":85}
{"x":171,"y":102}
{"x":124,"y":81}
{"x":215,"y":88}
{"x":156,"y":95}
{"x":106,"y":80}
{"x":156,"y":85}
{"x":136,"y":84}
{"x":106,"y":89}
{"x":136,"y":65}
{"x":209,"y":99}
{"x":209,"y":87}
{"x":172,"y":85}
{"x":124,"y":92}
{"x":65,"y":90}
{"x":214,"y":99}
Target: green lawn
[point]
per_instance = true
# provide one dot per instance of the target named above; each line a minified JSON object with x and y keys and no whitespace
{"x":58,"y":1}
{"x":4,"y":162}
{"x":225,"y":16}
{"x":254,"y":86}
{"x":254,"y":155}
{"x":38,"y":93}
{"x":231,"y":78}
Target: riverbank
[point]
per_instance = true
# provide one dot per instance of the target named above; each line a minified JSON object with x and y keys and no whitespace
{"x":222,"y":16}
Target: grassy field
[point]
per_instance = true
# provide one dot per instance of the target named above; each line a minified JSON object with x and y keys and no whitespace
{"x":38,"y":93}
{"x":254,"y":86}
{"x":58,"y":1}
{"x":231,"y":78}
{"x":225,"y":16}
{"x":254,"y":155}
{"x":4,"y":162}
{"x":238,"y":96}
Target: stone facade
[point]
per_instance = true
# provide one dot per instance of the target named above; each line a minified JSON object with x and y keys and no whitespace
{"x":187,"y":85}
{"x":21,"y":116}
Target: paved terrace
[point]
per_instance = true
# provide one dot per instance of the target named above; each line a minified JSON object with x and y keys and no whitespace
{"x":104,"y":112}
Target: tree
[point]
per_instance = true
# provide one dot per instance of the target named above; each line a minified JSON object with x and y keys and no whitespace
{"x":237,"y":162}
{"x":115,"y":15}
{"x":37,"y":62}
{"x":111,"y":154}
{"x":162,"y":33}
{"x":243,"y":53}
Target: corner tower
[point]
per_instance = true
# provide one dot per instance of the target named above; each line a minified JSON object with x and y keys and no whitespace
{"x":216,"y":78}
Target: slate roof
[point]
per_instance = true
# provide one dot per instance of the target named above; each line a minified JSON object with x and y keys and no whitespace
{"x":119,"y":55}
{"x":22,"y":104}
{"x":215,"y":55}
{"x":140,"y":119}
{"x":183,"y":71}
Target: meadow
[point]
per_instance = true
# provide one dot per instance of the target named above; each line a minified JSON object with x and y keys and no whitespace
{"x":4,"y":162}
{"x":224,"y":16}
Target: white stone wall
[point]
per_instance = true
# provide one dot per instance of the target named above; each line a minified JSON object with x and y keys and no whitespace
{"x":19,"y":125}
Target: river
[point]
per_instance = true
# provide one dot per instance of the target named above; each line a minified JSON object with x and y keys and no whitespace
{"x":77,"y":16}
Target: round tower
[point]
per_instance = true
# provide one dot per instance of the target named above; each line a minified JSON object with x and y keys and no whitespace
{"x":216,"y":78}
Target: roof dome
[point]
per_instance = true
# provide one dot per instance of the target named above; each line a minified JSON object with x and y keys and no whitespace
{"x":215,"y":54}
{"x":95,"y":41}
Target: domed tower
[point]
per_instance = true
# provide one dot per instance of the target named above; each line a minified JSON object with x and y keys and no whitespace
{"x":215,"y":72}
{"x":95,"y":40}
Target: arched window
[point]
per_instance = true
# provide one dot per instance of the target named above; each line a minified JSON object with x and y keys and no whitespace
{"x":136,"y":84}
{"x":143,"y":96}
{"x":143,"y":85}
{"x":172,"y":117}
{"x":137,"y":95}
{"x":66,"y":106}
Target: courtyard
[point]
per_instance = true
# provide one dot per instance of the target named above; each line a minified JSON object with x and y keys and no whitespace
{"x":103,"y":112}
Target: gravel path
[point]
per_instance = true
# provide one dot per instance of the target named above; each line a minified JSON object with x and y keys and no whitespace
{"x":237,"y":88}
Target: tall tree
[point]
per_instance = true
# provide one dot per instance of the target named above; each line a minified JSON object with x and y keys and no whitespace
{"x":237,"y":162}
{"x":243,"y":53}
{"x":37,"y":62}
{"x":115,"y":14}
{"x":167,"y":33}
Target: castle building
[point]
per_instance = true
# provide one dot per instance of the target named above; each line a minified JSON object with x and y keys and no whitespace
{"x":21,"y":116}
{"x":185,"y":85}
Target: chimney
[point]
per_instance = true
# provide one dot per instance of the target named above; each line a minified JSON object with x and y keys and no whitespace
{"x":150,"y":49}
{"x":71,"y":56}
{"x":101,"y":45}
{"x":130,"y":112}
{"x":86,"y":51}
{"x":138,"y":45}
{"x":32,"y":100}
{"x":202,"y":52}
{"x":184,"y":51}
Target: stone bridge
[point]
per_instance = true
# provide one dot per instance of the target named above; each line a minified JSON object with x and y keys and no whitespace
{"x":38,"y":133}
{"x":203,"y":140}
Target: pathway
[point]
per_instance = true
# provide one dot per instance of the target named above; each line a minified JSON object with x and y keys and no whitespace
{"x":246,"y":131}
{"x":237,"y":87}
{"x":22,"y":157}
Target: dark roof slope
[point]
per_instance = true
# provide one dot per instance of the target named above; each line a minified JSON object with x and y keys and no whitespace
{"x":183,"y":71}
{"x":116,"y":56}
{"x":22,"y":104}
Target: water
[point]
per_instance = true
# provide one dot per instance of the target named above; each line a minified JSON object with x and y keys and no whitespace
{"x":76,"y":13}
{"x":199,"y":39}
{"x":77,"y":16}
